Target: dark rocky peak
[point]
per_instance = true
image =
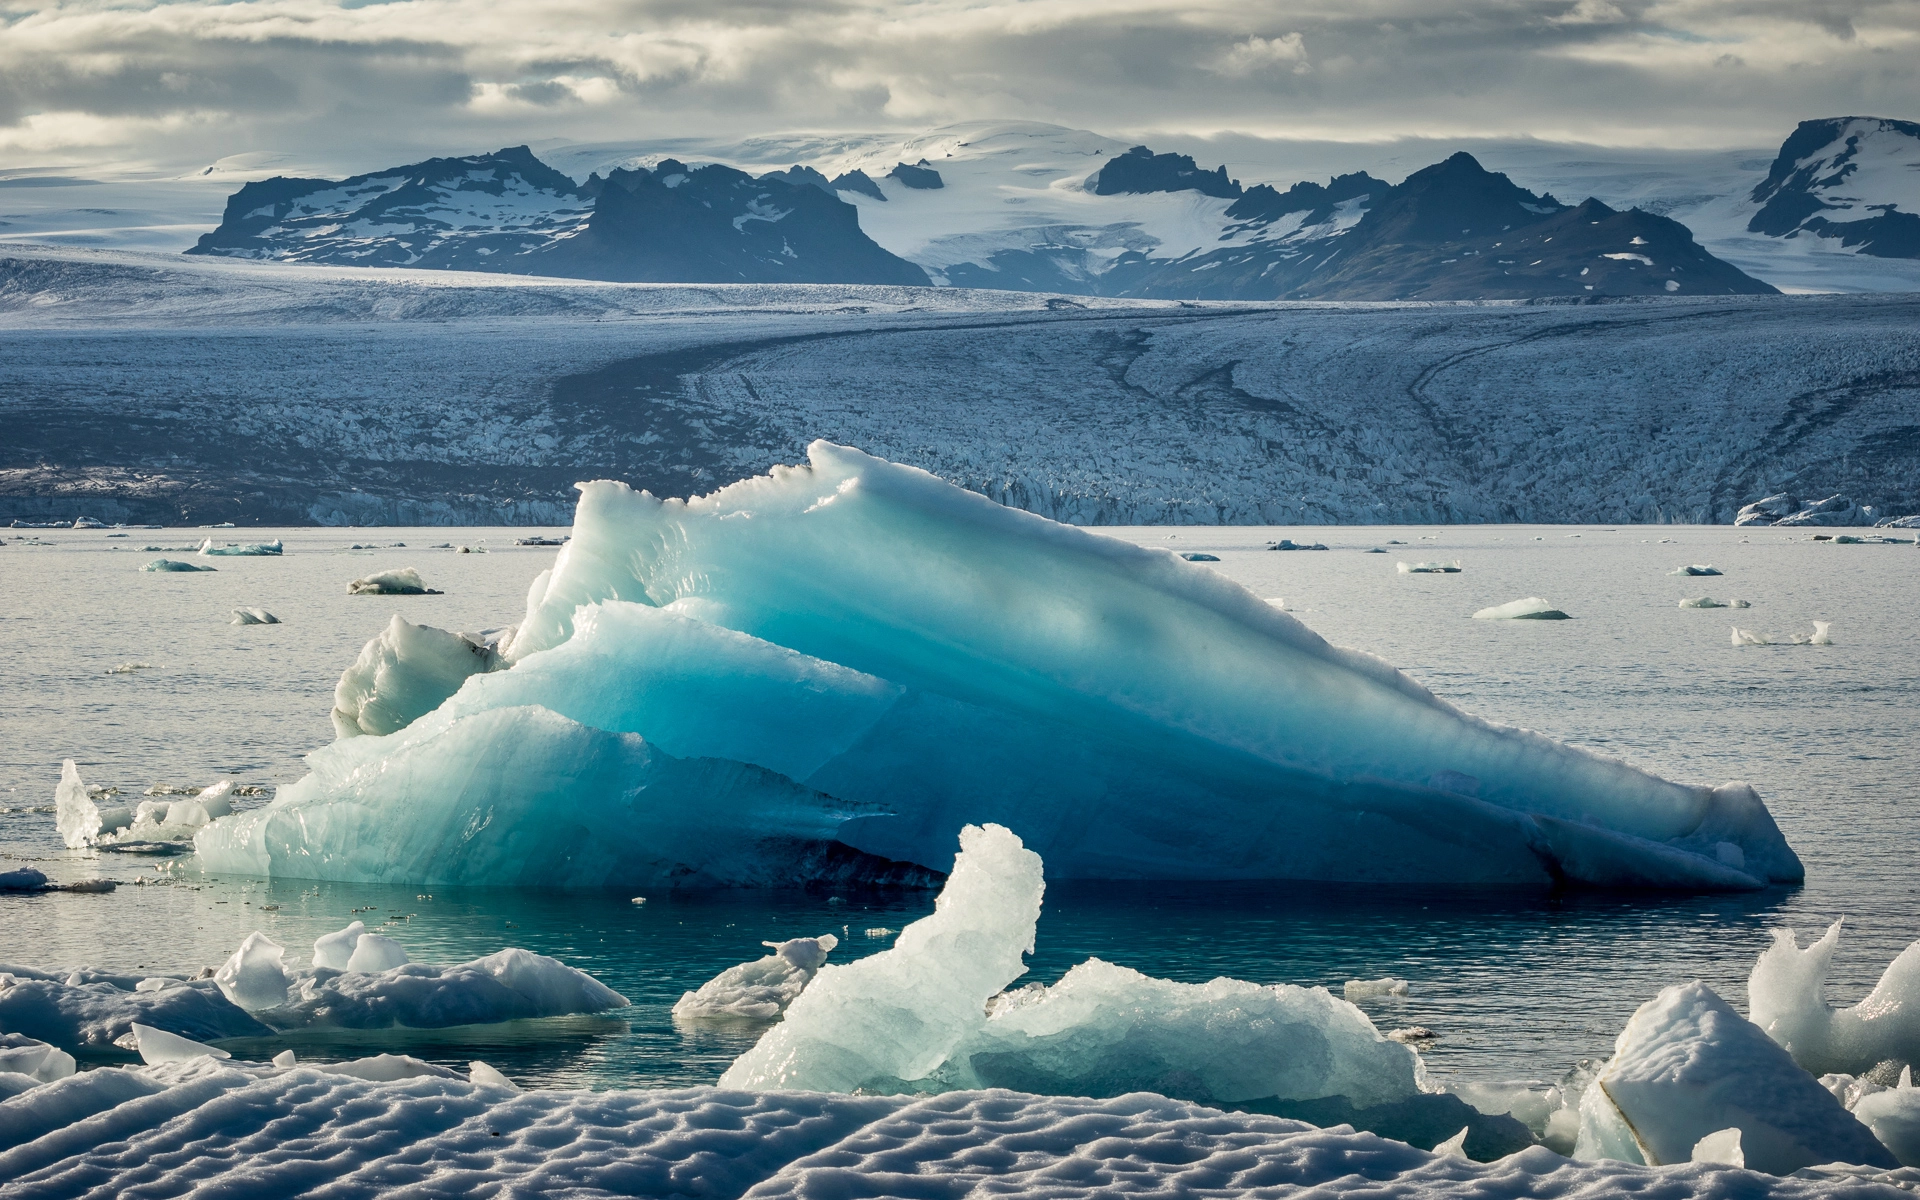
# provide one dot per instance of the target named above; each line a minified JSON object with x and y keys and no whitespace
{"x":1262,"y":203}
{"x":1140,"y":170}
{"x":1455,"y":199}
{"x":800,"y":176}
{"x":1809,"y":138}
{"x":858,"y":181}
{"x":919,"y":176}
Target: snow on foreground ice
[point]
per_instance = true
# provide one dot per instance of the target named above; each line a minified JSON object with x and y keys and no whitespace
{"x":241,"y":1129}
{"x":714,"y":691}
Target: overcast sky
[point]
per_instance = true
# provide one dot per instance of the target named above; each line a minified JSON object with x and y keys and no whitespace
{"x":333,"y":82}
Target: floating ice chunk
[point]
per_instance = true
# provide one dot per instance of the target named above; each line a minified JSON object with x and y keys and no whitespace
{"x":1786,"y":995}
{"x":1722,"y":1147}
{"x":80,"y":821}
{"x":404,"y":581}
{"x":1455,"y":1146}
{"x":156,"y":1046}
{"x":1197,"y":556}
{"x":917,"y":1017}
{"x":254,"y":977}
{"x":89,"y":1010}
{"x":1820,"y":635}
{"x":248,"y":550}
{"x":508,"y":985}
{"x":373,"y":954}
{"x":285,"y":1060}
{"x":897,"y":1016}
{"x":253,"y":616}
{"x":38,"y":1060}
{"x":24,"y":879}
{"x":762,"y":989}
{"x":171,"y":564}
{"x":1710,"y":602}
{"x":1533,"y":608}
{"x":1357,"y":990}
{"x":1687,"y":1066}
{"x":1695,"y":569}
{"x":1290,"y":544}
{"x":334,"y":950}
{"x":388,"y":1068}
{"x":406,"y":672}
{"x":1747,"y":637}
{"x":485,"y":1075}
{"x":1428,"y":568}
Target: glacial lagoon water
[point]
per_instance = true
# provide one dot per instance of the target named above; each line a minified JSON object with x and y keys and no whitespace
{"x":1517,"y":986}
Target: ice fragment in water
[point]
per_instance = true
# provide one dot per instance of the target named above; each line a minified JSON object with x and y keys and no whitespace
{"x":1893,"y":1114}
{"x":80,"y":821}
{"x":248,"y":550}
{"x":1786,"y":994}
{"x":254,"y":977}
{"x":156,"y":1046}
{"x":1455,"y":1146}
{"x":917,"y":1017}
{"x":284,"y":1060}
{"x":1533,"y":608}
{"x":404,"y":581}
{"x":170,"y":564}
{"x":1747,"y":637}
{"x":1357,"y":990}
{"x":1686,"y":1066}
{"x":1428,"y":568}
{"x":388,"y":1068}
{"x":333,"y":950}
{"x":406,"y":672}
{"x":373,"y":954}
{"x":42,"y":1062}
{"x":1695,"y":569}
{"x":761,"y":989}
{"x":1710,"y":602}
{"x":253,"y":616}
{"x":484,"y":1075}
{"x":879,"y":658}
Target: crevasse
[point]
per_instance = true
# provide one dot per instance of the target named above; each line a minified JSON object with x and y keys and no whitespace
{"x":835,"y":667}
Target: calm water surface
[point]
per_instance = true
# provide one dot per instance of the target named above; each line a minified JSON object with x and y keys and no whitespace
{"x":1518,"y":986}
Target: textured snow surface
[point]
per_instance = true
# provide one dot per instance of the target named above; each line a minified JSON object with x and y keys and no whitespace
{"x":858,"y":636}
{"x":170,"y":1130}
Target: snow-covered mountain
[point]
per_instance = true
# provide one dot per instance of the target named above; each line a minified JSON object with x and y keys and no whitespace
{"x":1855,"y":179}
{"x":510,"y":212}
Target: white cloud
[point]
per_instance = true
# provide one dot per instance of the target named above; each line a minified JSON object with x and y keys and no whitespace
{"x":196,"y":80}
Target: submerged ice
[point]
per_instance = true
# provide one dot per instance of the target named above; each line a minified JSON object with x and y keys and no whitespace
{"x":834,"y":668}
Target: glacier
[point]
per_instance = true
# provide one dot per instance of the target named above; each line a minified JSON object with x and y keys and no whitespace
{"x":840,"y":665}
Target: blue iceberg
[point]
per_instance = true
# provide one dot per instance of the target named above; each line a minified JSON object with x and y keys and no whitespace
{"x":836,"y":667}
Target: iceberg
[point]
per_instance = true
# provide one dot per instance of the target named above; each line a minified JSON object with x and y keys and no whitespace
{"x":1786,"y":995}
{"x":253,"y":616}
{"x":762,"y":989}
{"x":507,"y":985}
{"x":1710,"y":602}
{"x":173,"y":564}
{"x":402,"y":582}
{"x":233,"y":550}
{"x":1428,"y":568}
{"x":1533,"y":608}
{"x":81,"y":822}
{"x":835,"y":668}
{"x":1687,"y":1067}
{"x":1695,"y":569}
{"x":91,"y":1010}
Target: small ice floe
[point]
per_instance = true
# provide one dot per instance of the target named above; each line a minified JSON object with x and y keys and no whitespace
{"x":253,"y":616}
{"x":1786,"y":994}
{"x":82,"y":822}
{"x":1696,"y":569}
{"x":32,"y":879}
{"x":172,"y":564}
{"x":1429,"y":568}
{"x":1747,"y":637}
{"x":1357,"y":990}
{"x":128,"y":668}
{"x":238,"y":550}
{"x":1819,"y":637}
{"x":762,"y":989}
{"x":402,"y":582}
{"x":1417,"y":1036}
{"x":881,"y":932}
{"x":1290,"y":544}
{"x":1687,"y":1068}
{"x":1533,"y":608}
{"x":540,"y":541}
{"x":1375,"y":550}
{"x":153,"y":826}
{"x":1710,"y":602}
{"x":1197,"y":556}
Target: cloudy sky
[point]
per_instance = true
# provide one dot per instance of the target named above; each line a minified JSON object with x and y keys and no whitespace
{"x":338,"y":82}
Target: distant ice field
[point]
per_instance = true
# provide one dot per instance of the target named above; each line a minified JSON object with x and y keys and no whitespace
{"x":1516,"y":986}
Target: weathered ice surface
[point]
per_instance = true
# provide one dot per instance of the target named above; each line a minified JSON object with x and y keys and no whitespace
{"x":297,"y":395}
